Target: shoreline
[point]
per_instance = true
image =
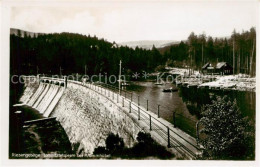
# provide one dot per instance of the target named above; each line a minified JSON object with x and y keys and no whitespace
{"x":240,"y":82}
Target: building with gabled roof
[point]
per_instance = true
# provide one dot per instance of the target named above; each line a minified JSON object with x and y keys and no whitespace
{"x":221,"y":68}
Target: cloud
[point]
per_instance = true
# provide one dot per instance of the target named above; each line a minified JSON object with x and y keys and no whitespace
{"x":82,"y":23}
{"x":139,"y":20}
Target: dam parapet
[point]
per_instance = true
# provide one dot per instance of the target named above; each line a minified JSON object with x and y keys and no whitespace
{"x":89,"y":112}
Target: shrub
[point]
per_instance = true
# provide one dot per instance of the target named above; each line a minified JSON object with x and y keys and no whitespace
{"x":145,"y":147}
{"x":100,"y":151}
{"x":229,"y":135}
{"x":114,"y":143}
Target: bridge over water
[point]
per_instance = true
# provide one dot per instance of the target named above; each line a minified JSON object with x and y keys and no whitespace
{"x":89,"y":111}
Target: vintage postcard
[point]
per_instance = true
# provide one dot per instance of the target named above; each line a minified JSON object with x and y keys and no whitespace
{"x":130,"y":80}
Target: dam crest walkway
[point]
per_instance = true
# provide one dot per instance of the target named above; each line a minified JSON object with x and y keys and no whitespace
{"x":164,"y":132}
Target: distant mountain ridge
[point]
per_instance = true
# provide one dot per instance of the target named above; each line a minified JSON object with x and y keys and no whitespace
{"x":148,"y":44}
{"x":145,"y":44}
{"x":14,"y":31}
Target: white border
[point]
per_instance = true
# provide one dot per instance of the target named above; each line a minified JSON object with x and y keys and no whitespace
{"x":4,"y":100}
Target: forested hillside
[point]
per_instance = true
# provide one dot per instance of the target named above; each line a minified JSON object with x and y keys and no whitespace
{"x":48,"y":53}
{"x":238,"y":50}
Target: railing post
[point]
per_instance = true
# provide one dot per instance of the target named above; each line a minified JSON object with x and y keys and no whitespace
{"x":174,"y":119}
{"x":150,"y":118}
{"x":113,"y":95}
{"x":122,"y":102}
{"x":138,"y":113}
{"x":130,"y":107}
{"x":147,"y":105}
{"x":65,"y":81}
{"x":138,"y":100}
{"x":131,"y":96}
{"x":38,"y":78}
{"x":168,"y":131}
{"x":125,"y":94}
{"x":158,"y":111}
{"x":117,"y":98}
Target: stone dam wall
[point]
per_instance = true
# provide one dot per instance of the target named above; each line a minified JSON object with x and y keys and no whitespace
{"x":86,"y":116}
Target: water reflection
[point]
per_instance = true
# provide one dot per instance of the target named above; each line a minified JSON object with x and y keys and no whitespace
{"x":196,"y":98}
{"x":169,"y":103}
{"x":187,"y":102}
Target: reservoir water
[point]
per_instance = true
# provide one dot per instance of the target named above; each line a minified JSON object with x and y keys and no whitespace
{"x":186,"y":102}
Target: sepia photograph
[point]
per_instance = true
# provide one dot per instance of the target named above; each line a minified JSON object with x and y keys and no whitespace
{"x":130,"y":80}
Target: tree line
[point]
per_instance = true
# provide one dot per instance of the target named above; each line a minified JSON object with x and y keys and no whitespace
{"x":68,"y":53}
{"x":238,"y":50}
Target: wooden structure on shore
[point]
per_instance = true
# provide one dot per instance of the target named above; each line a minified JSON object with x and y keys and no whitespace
{"x":221,"y":68}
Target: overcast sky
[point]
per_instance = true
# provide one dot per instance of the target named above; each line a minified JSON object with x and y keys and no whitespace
{"x":132,"y":21}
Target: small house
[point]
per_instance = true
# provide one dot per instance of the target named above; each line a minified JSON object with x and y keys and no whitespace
{"x":208,"y":69}
{"x":204,"y":68}
{"x":223,"y":68}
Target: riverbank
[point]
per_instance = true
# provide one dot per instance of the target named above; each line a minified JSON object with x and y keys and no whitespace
{"x":28,"y":139}
{"x":235,"y":82}
{"x":240,"y":82}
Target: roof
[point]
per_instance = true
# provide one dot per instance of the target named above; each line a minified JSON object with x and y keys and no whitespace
{"x":205,"y":66}
{"x":220,"y":65}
